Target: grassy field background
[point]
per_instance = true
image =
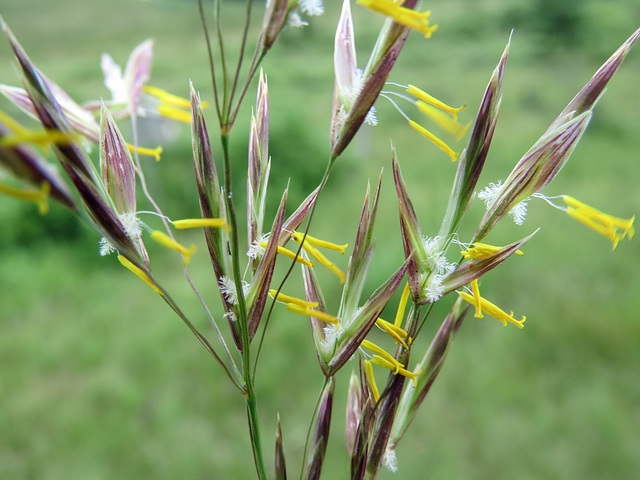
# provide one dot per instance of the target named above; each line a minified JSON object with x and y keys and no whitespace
{"x":98,"y":379}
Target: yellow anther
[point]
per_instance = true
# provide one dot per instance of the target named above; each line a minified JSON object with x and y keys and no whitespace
{"x":151,"y":152}
{"x":482,"y":250}
{"x":493,"y":310}
{"x":431,"y":137}
{"x":368,"y":371}
{"x":315,"y":253}
{"x":140,"y":273}
{"x":292,"y":255}
{"x":174,"y":113}
{"x":164,"y":239}
{"x":288,"y":299}
{"x":297,"y":236}
{"x":376,"y":349}
{"x":382,"y":362}
{"x":475,"y":288}
{"x":41,"y":139}
{"x":426,"y":98}
{"x":402,"y":15}
{"x":452,"y":127}
{"x":322,"y":316}
{"x":398,"y":334}
{"x":201,"y":222}
{"x":166,"y":97}
{"x":614,"y":228}
{"x":171,"y":106}
{"x":402,"y":305}
{"x":37,"y":196}
{"x":12,"y":124}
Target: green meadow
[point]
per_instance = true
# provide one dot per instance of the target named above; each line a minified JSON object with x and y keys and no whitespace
{"x":100,"y":380}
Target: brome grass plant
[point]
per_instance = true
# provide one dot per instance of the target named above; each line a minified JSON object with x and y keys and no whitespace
{"x":91,"y":158}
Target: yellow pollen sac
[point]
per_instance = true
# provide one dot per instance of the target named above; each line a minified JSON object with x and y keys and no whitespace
{"x":402,"y":371}
{"x":164,"y":239}
{"x":174,"y":113}
{"x":368,"y":371}
{"x":171,"y":106}
{"x":398,"y":334}
{"x":402,"y":15}
{"x":297,"y":236}
{"x":140,"y":273}
{"x":322,"y":316}
{"x":292,"y":255}
{"x":614,"y":228}
{"x":201,"y":222}
{"x":431,"y":137}
{"x":41,"y":139}
{"x":482,"y":251}
{"x":150,"y":152}
{"x":402,"y":305}
{"x":11,"y":123}
{"x":166,"y":97}
{"x":315,"y":253}
{"x":475,"y":288}
{"x":388,"y":357}
{"x":426,"y":98}
{"x":493,"y":310}
{"x":281,"y":297}
{"x":37,"y":196}
{"x":452,"y":127}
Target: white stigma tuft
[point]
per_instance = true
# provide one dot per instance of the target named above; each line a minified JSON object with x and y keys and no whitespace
{"x":389,"y":460}
{"x":105,"y":247}
{"x":490,"y":194}
{"x":434,"y":289}
{"x":312,"y":7}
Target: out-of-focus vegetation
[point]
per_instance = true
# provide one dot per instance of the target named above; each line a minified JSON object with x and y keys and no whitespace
{"x":99,"y":380}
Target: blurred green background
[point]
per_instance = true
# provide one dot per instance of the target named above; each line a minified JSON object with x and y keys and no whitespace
{"x":98,"y":379}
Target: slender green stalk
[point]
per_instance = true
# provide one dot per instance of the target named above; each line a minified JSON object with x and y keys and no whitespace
{"x":214,"y":84}
{"x":249,"y":393}
{"x":223,"y":61}
{"x":254,"y":432}
{"x":243,"y":44}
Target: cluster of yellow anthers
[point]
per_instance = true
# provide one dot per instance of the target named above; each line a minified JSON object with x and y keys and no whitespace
{"x":484,"y":305}
{"x":170,"y":106}
{"x":297,"y":305}
{"x":614,"y":228}
{"x":482,"y":251}
{"x":30,"y":195}
{"x":383,"y":359}
{"x":435,"y":109}
{"x":310,"y":243}
{"x":404,"y":16}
